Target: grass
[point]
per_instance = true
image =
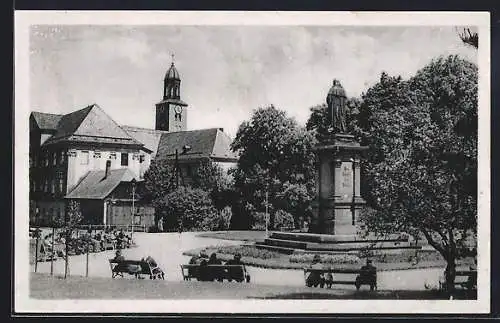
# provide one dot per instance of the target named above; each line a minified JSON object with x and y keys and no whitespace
{"x":77,"y":287}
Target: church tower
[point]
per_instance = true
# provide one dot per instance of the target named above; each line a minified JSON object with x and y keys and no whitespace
{"x":171,"y":114}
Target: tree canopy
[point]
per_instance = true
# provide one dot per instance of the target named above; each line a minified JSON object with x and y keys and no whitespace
{"x":275,"y":156}
{"x":421,"y":169}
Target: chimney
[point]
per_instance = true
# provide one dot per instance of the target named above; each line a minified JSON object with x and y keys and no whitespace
{"x":108,"y":166}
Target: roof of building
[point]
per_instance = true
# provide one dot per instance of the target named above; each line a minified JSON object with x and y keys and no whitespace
{"x":172,"y":73}
{"x":95,"y":186}
{"x":91,"y":125}
{"x":46,"y":121}
{"x":149,"y":137}
{"x":205,"y":143}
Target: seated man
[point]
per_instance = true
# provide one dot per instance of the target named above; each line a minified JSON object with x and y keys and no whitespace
{"x":315,"y":278}
{"x":367,"y":275}
{"x":215,"y":273}
{"x":472,"y":280}
{"x":196,"y":260}
{"x":156,"y":271}
{"x":236,"y":273}
{"x":118,"y":256}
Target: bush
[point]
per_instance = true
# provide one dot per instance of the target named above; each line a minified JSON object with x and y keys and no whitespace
{"x":326,"y":259}
{"x":191,"y":206}
{"x":283,"y":219}
{"x":218,"y":221}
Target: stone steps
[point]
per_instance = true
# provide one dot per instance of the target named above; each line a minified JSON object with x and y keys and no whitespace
{"x":326,"y":238}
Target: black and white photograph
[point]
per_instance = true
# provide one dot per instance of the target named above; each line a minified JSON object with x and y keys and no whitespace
{"x":252,"y":162}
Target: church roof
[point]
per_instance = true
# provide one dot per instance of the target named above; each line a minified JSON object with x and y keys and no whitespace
{"x":94,"y":186}
{"x":46,"y":121}
{"x":90,"y":125}
{"x":172,"y":73}
{"x":210,"y":143}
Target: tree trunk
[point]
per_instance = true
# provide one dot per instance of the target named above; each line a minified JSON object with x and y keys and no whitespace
{"x":450,"y":274}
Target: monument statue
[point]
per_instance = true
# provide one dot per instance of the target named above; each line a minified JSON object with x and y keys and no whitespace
{"x":338,"y":203}
{"x":337,"y":110}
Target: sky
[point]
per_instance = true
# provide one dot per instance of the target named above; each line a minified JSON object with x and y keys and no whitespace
{"x":226,"y":71}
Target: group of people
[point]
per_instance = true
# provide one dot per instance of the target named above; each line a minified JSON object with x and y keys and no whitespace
{"x":136,"y":270}
{"x":205,"y":273}
{"x":367,"y":275}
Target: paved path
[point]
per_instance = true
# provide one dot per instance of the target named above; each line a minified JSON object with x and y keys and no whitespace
{"x":167,"y":249}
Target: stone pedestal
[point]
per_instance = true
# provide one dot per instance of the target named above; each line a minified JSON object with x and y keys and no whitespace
{"x":338,"y":201}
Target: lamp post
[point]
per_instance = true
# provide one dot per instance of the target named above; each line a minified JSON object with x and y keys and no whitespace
{"x":133,"y":181}
{"x":353,"y":205}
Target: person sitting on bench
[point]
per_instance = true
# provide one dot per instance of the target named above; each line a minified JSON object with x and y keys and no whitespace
{"x":118,"y":256}
{"x":154,"y":267}
{"x":315,"y":278}
{"x":472,"y":280}
{"x":196,"y":260}
{"x":215,"y":273}
{"x":367,"y":275}
{"x":235,"y":273}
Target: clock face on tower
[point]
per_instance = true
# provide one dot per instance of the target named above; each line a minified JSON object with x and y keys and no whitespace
{"x":177,"y":108}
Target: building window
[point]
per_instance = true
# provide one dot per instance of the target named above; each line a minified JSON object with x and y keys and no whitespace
{"x":97,"y":154}
{"x":62,"y":157}
{"x":124,"y":159}
{"x":46,"y":186}
{"x":85,"y":158}
{"x":47,"y":159}
{"x":53,"y":186}
{"x":142,"y":158}
{"x":112,"y":155}
{"x":54,"y":159}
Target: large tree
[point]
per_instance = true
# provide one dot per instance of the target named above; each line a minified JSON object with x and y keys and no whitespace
{"x":422,"y":163}
{"x":275,"y":155}
{"x":188,"y":206}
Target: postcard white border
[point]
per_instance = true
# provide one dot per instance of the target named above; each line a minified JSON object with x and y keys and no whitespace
{"x":23,"y":19}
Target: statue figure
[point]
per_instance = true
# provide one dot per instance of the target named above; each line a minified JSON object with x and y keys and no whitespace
{"x":337,"y":110}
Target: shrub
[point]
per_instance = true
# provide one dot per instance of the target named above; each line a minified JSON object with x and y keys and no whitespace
{"x":326,"y":259}
{"x":259,"y":221}
{"x":283,"y":219}
{"x":194,"y":206}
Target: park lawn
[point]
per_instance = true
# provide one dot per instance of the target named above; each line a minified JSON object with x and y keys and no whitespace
{"x":249,"y":236}
{"x":43,"y":286}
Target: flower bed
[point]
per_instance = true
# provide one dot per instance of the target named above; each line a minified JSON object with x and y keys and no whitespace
{"x":326,"y":259}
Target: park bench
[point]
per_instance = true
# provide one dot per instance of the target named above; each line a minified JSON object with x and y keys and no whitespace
{"x":192,"y":271}
{"x":465,"y":279}
{"x":358,"y":281}
{"x":136,"y":268}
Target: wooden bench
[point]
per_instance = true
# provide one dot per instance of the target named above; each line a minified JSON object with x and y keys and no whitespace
{"x":358,"y":281}
{"x":465,"y":279}
{"x":136,"y":268}
{"x":190,"y":271}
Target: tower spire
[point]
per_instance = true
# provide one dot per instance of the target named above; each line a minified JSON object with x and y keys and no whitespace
{"x":173,"y":58}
